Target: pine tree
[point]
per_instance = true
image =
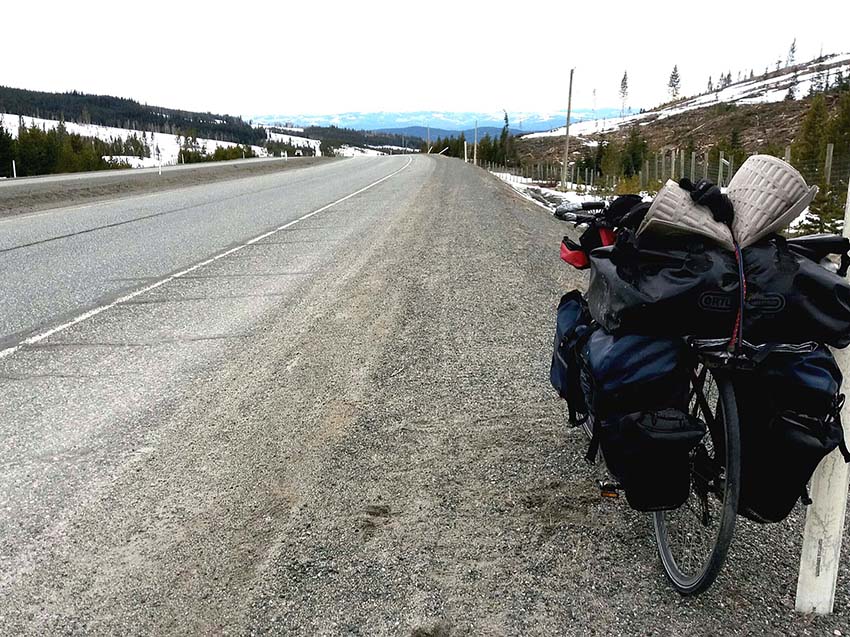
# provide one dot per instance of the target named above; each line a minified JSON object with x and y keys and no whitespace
{"x":838,"y":129}
{"x":792,"y":89}
{"x":809,"y":146}
{"x":674,"y":83}
{"x":827,"y":210}
{"x":634,"y":152}
{"x":624,"y":92}
{"x":7,"y":151}
{"x":710,"y":86}
{"x":792,"y":52}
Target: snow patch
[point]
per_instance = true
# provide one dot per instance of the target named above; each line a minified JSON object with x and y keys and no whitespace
{"x":168,"y":145}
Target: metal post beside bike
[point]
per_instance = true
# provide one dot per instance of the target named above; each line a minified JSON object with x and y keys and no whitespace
{"x":824,"y":528}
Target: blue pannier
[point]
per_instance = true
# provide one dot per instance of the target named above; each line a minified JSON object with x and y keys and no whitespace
{"x":630,"y":373}
{"x":638,"y":391}
{"x":572,"y":327}
{"x":789,"y":412}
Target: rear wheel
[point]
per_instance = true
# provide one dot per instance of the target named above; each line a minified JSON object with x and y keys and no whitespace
{"x":693,"y":540}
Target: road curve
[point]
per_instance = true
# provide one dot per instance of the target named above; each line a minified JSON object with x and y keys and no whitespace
{"x":221,"y":413}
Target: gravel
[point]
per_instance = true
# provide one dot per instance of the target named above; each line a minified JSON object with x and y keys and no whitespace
{"x":371,"y":447}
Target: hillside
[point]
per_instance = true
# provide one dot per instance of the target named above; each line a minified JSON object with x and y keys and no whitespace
{"x":757,"y":112}
{"x":117,"y":112}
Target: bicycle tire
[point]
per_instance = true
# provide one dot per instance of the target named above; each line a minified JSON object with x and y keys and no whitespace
{"x":703,"y":576}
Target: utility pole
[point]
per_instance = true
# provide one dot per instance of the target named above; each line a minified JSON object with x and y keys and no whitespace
{"x":564,"y":169}
{"x":475,"y":148}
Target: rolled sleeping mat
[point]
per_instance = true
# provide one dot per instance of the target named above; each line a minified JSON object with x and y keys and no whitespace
{"x":673,"y":212}
{"x":767,"y":194}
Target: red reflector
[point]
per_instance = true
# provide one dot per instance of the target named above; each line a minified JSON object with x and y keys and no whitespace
{"x":575,"y":258}
{"x":607,"y":237}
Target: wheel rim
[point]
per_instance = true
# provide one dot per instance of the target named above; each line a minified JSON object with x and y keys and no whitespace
{"x":693,"y":539}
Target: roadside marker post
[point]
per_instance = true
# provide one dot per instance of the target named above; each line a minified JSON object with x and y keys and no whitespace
{"x":565,"y":167}
{"x":14,"y":170}
{"x":824,"y":528}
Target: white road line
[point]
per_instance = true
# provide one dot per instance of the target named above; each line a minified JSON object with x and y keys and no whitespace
{"x":37,"y":338}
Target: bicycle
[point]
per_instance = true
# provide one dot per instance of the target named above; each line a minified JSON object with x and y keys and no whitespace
{"x":693,"y":540}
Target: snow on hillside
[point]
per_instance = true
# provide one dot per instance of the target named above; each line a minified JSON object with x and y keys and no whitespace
{"x":168,"y":145}
{"x":356,"y":151}
{"x":759,"y":90}
{"x":391,"y":148}
{"x":295,"y":140}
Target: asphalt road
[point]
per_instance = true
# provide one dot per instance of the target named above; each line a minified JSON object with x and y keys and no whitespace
{"x":316,"y":402}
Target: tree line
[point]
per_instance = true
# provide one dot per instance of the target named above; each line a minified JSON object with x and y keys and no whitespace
{"x":105,"y":110}
{"x":334,"y":136}
{"x":37,"y":151}
{"x":499,"y":150}
{"x":193,"y":152}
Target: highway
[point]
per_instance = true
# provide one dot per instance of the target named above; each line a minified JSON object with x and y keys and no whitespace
{"x":316,"y":402}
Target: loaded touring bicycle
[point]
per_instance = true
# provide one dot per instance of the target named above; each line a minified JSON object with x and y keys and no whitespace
{"x":699,"y":362}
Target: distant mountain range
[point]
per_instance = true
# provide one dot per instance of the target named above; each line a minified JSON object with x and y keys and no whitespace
{"x":442,"y":123}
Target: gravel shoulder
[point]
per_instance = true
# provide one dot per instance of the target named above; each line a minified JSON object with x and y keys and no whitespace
{"x":371,"y":447}
{"x":33,"y":195}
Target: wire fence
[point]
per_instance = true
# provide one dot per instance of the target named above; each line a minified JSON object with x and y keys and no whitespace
{"x":831,"y":175}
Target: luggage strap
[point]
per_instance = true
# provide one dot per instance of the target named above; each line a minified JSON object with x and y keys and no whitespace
{"x":575,"y":421}
{"x":837,"y":406}
{"x":738,"y":335}
{"x":593,"y":447}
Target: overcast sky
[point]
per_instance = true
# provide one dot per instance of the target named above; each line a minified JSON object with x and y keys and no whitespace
{"x":252,"y":58}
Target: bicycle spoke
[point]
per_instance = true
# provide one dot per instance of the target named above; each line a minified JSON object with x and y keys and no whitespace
{"x":693,"y":539}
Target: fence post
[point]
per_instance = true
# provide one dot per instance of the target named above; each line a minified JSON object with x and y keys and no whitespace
{"x":720,"y":170}
{"x":825,"y":516}
{"x":788,"y":154}
{"x":827,"y":168}
{"x":673,"y":154}
{"x":693,"y":165}
{"x":682,"y":163}
{"x":731,"y":167}
{"x":705,"y":165}
{"x":465,"y":153}
{"x":663,"y":167}
{"x":14,"y":170}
